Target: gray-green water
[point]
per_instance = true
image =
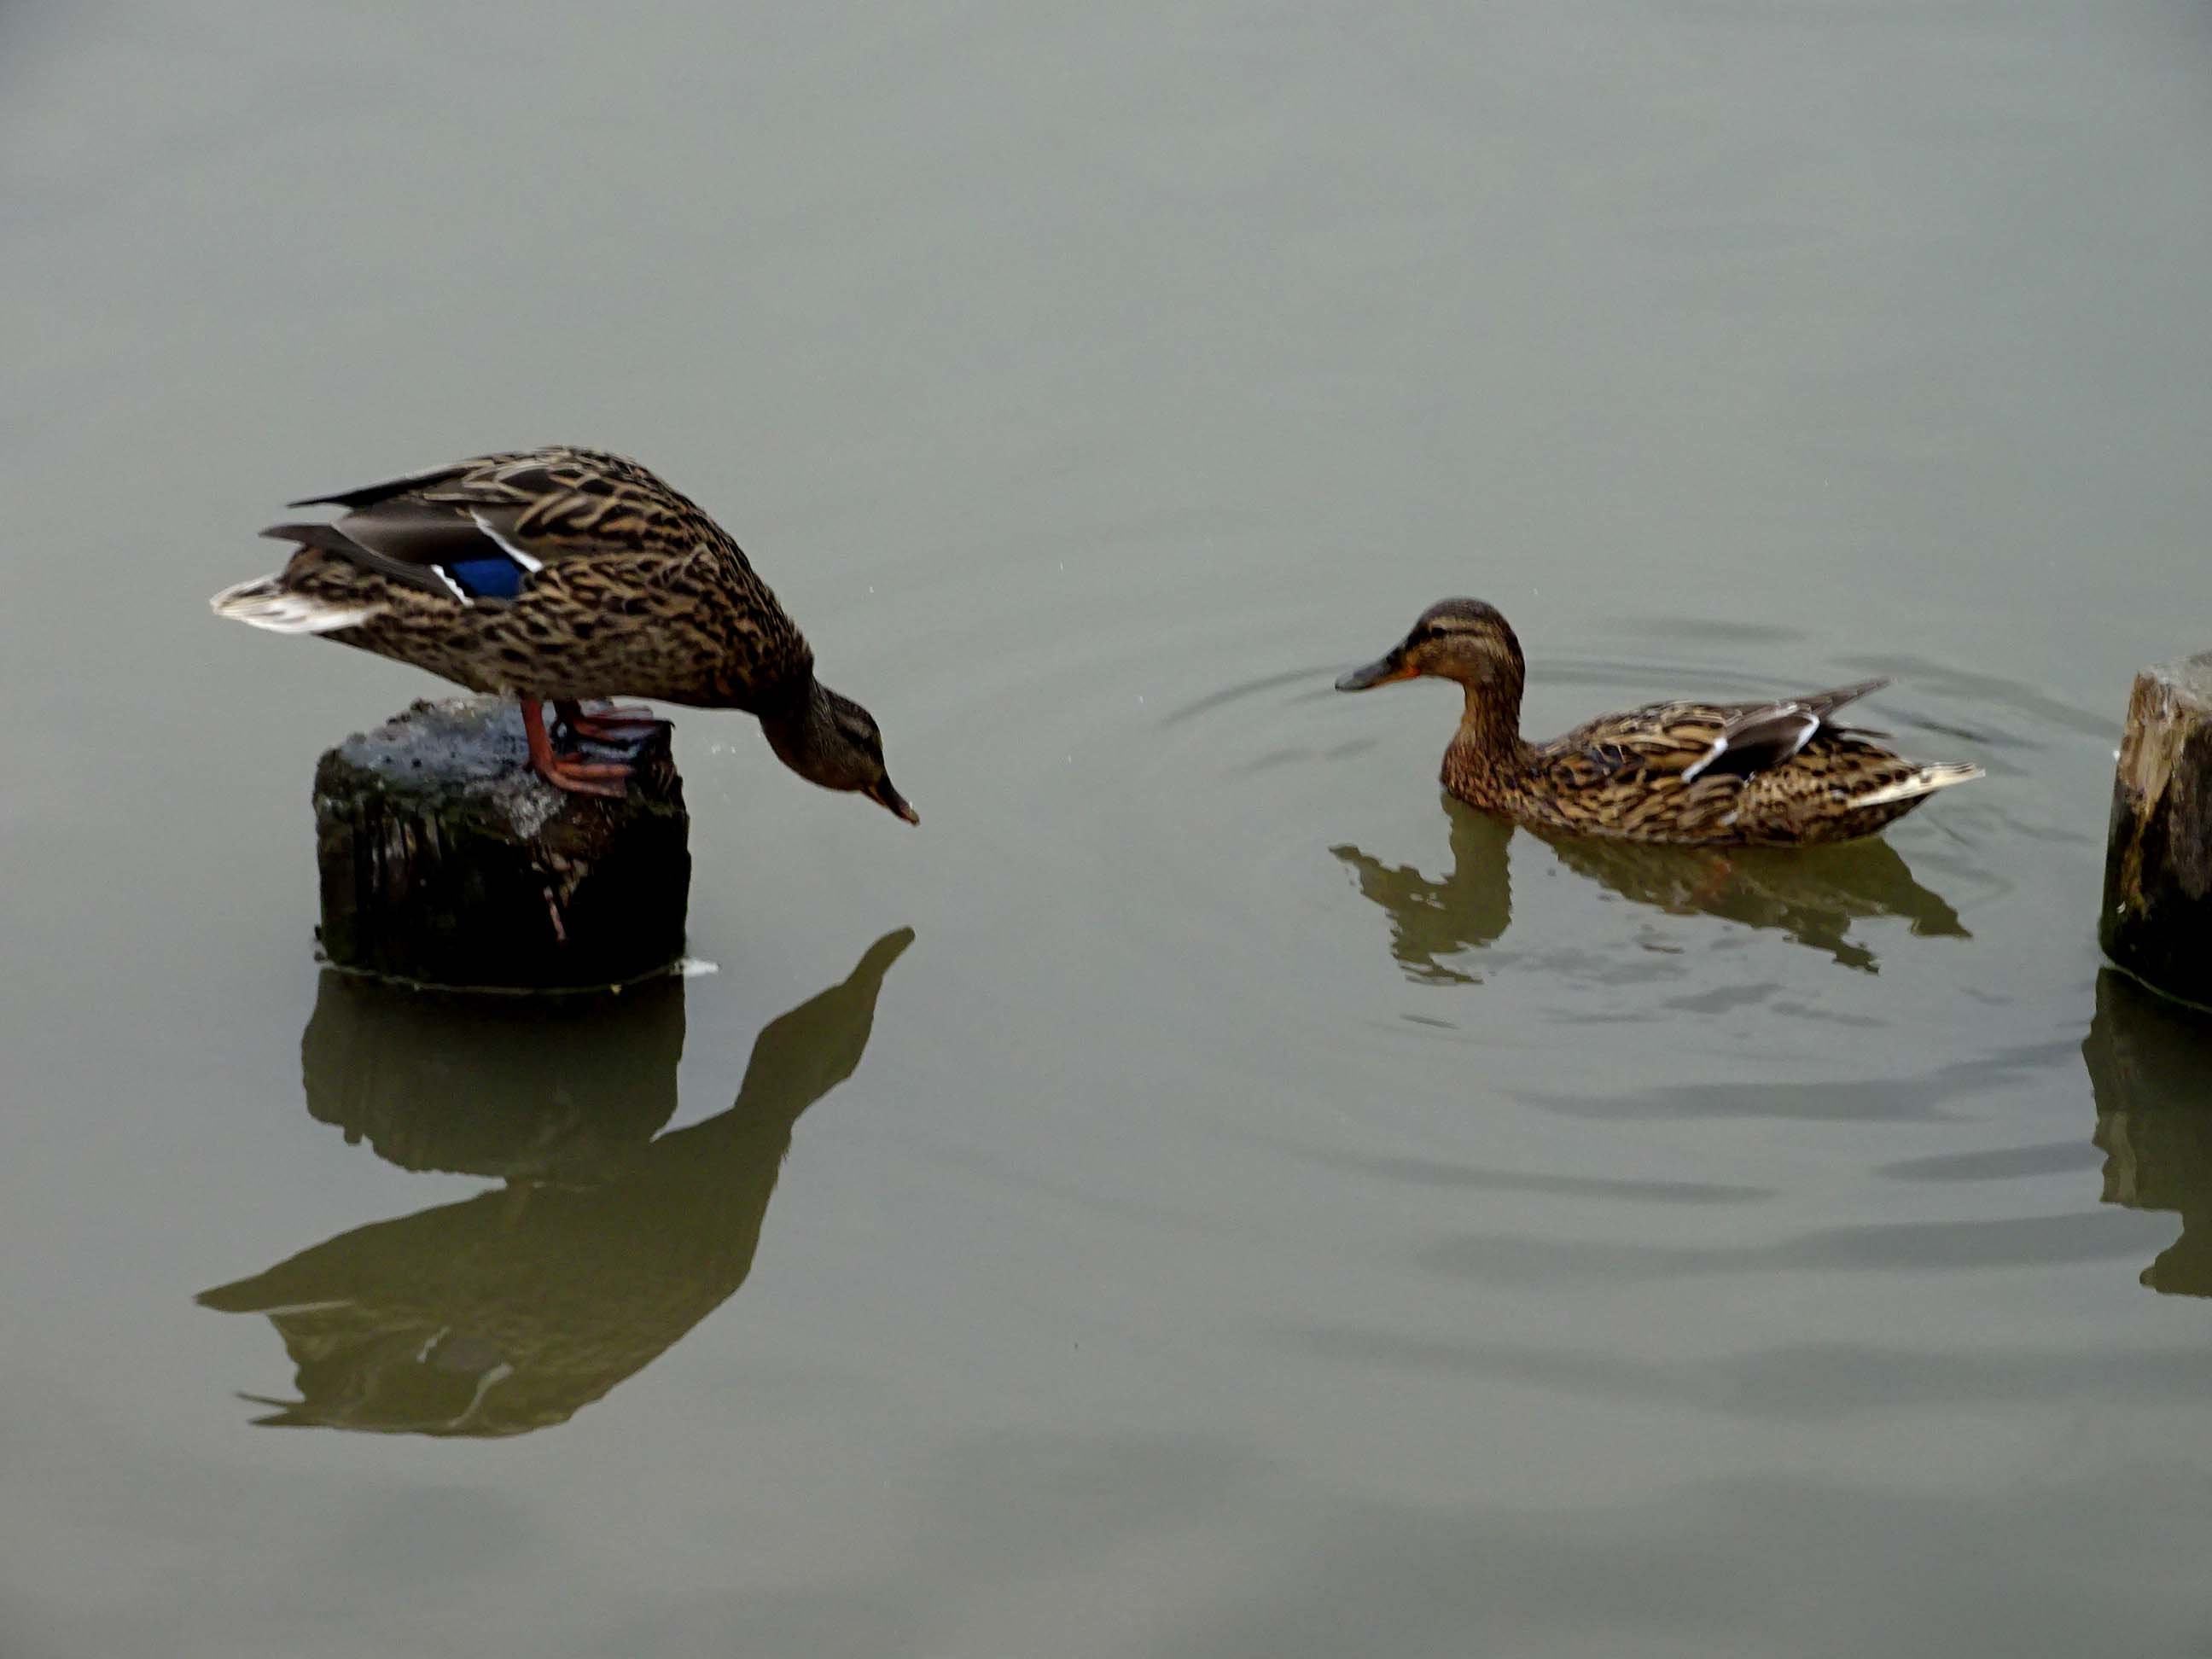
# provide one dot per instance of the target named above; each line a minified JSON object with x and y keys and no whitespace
{"x":1262,"y":1209}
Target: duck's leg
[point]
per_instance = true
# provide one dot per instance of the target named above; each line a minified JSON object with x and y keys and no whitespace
{"x":577,"y":777}
{"x":610,"y":724}
{"x":1719,"y":871}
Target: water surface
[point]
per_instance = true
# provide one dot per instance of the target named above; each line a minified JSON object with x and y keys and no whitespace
{"x":1202,"y":1193}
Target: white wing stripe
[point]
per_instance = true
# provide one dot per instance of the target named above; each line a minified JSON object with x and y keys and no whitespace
{"x":1808,"y":723}
{"x":1690,"y":772}
{"x":525,"y":559}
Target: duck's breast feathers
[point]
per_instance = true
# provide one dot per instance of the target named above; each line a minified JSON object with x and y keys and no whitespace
{"x":479,"y":528}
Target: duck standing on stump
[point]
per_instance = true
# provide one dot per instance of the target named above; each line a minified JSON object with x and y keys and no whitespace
{"x":1697,"y":774}
{"x":561,"y":575}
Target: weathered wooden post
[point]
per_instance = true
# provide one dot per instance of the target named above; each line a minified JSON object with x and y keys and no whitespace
{"x":446,"y":861}
{"x":2157,"y":920}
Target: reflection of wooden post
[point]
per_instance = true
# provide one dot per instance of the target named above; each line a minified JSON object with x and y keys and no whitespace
{"x":2150,"y":1066}
{"x":2157,"y":921}
{"x":526,"y":1088}
{"x":446,"y":861}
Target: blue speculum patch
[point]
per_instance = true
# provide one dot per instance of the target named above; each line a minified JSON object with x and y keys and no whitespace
{"x":487,"y":579}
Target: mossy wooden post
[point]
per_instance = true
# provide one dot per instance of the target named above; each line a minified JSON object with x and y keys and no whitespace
{"x":2157,"y":920}
{"x":446,"y":861}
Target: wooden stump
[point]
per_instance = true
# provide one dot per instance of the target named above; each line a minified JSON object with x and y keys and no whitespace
{"x":446,"y":861}
{"x":2157,"y":920}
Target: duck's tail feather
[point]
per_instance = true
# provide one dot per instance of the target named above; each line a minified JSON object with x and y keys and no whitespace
{"x":1924,"y":782}
{"x":1825,"y":703}
{"x":265,"y":602}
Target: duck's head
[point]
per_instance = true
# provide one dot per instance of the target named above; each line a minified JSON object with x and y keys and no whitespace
{"x":1463,"y":640}
{"x":831,"y":740}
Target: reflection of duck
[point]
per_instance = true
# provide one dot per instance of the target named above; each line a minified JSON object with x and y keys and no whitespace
{"x":2150,"y":1069}
{"x":1785,"y":773}
{"x":509,"y":1311}
{"x":1811,"y":896}
{"x":1428,"y":919}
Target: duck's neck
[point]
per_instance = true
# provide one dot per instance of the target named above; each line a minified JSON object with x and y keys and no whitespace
{"x":1486,"y":751}
{"x":797,"y":723}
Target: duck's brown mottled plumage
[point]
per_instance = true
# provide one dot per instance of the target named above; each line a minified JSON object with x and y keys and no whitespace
{"x":1774,"y":774}
{"x":560,"y":575}
{"x":640,"y":593}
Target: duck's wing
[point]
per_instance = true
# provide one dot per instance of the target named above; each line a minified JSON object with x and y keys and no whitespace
{"x":478,"y":529}
{"x":1693,"y":771}
{"x":1760,"y":737}
{"x":1683,"y":742}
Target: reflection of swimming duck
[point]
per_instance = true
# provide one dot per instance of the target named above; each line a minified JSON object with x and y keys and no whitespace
{"x":2150,"y":1069}
{"x":560,"y":575}
{"x":1769,"y":774}
{"x":1469,"y":908}
{"x":509,"y":1311}
{"x":1812,"y":897}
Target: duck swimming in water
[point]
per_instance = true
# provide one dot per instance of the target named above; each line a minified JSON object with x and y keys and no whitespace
{"x":1697,"y":774}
